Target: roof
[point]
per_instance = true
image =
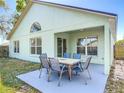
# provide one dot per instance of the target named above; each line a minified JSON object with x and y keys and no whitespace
{"x":5,"y":44}
{"x":75,"y":7}
{"x":60,"y":5}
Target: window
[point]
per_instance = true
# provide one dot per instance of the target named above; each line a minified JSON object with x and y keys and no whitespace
{"x":87,"y":46}
{"x":92,"y":45}
{"x":35,"y":45}
{"x":35,"y":27}
{"x":16,"y":46}
{"x":81,"y":45}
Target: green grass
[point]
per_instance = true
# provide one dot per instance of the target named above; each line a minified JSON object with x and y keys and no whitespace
{"x":9,"y":69}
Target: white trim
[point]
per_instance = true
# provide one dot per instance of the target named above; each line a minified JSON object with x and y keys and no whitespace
{"x":72,"y":8}
{"x":86,"y":53}
{"x":35,"y":46}
{"x":15,"y":45}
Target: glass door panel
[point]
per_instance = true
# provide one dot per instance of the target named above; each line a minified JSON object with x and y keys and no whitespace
{"x":64,"y":46}
{"x":61,"y":47}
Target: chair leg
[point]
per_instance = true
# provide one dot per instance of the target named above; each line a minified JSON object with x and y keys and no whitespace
{"x":47,"y":71}
{"x":58,"y":74}
{"x":49,"y":74}
{"x":85,"y":81}
{"x":76,"y":73}
{"x":40,"y":73}
{"x":89,"y":73}
{"x":60,"y":78}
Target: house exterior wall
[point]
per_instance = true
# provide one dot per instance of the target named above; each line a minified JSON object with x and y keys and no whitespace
{"x":63,"y":36}
{"x":73,"y":36}
{"x":99,"y":32}
{"x":54,"y":20}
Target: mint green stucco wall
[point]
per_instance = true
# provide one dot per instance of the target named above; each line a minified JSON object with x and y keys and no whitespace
{"x":73,"y":36}
{"x":55,"y":20}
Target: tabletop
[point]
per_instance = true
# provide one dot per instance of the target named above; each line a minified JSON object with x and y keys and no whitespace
{"x":68,"y":61}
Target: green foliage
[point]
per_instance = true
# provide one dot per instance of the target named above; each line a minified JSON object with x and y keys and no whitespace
{"x":120,"y":42}
{"x":15,"y":18}
{"x":21,"y":4}
{"x":5,"y":25}
{"x":2,"y":3}
{"x":119,"y":49}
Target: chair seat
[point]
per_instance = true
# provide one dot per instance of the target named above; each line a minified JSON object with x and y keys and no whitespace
{"x":77,"y":69}
{"x":61,"y":66}
{"x":65,"y":68}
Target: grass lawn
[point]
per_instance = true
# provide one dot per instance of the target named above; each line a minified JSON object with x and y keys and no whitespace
{"x":9,"y":69}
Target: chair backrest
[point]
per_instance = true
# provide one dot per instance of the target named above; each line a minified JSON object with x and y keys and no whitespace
{"x":67,"y":55}
{"x":44,"y":61}
{"x":76,"y":56}
{"x":86,"y":64}
{"x":55,"y":64}
{"x":43,"y":55}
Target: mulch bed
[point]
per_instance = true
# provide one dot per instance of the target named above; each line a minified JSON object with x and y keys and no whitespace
{"x":115,"y":82}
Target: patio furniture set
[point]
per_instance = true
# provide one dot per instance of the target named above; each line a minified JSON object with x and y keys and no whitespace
{"x":64,"y":65}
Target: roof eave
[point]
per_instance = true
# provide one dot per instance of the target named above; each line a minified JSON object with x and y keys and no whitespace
{"x":77,"y":8}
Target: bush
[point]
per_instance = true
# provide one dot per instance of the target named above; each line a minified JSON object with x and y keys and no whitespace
{"x":4,"y":51}
{"x":119,"y":49}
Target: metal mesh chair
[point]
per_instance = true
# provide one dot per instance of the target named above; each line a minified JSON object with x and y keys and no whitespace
{"x":67,"y":55}
{"x":76,"y":56}
{"x":44,"y":64}
{"x":43,"y":55}
{"x":55,"y":66}
{"x":84,"y":67}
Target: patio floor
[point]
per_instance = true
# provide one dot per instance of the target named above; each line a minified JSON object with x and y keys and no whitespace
{"x":76,"y":85}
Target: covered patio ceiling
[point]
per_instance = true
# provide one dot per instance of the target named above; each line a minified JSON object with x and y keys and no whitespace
{"x":82,"y":29}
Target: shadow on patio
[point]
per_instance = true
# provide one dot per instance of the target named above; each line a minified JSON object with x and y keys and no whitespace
{"x":76,"y":85}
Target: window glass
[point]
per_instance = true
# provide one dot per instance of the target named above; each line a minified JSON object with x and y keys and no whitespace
{"x":92,"y":45}
{"x":81,"y":43}
{"x":38,"y":41}
{"x":32,"y":50}
{"x":36,"y":45}
{"x":32,"y":42}
{"x":87,"y":45}
{"x":59,"y":47}
{"x":35,"y":27}
{"x":38,"y":50}
{"x":16,"y":46}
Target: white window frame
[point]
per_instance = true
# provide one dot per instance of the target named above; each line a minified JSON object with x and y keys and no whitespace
{"x":86,"y":46}
{"x":16,"y":47}
{"x":35,"y":46}
{"x":33,"y":27}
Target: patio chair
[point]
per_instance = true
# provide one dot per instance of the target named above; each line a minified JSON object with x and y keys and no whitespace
{"x":55,"y":66}
{"x":76,"y":56}
{"x":44,"y":64}
{"x":43,"y":55}
{"x":84,"y":67}
{"x":67,"y":55}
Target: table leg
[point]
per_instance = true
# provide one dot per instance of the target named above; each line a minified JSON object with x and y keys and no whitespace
{"x":69,"y":72}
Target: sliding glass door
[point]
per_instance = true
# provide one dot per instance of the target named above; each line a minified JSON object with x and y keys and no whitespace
{"x":61,"y":47}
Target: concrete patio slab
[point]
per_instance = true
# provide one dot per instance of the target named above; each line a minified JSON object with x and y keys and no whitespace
{"x":76,"y":85}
